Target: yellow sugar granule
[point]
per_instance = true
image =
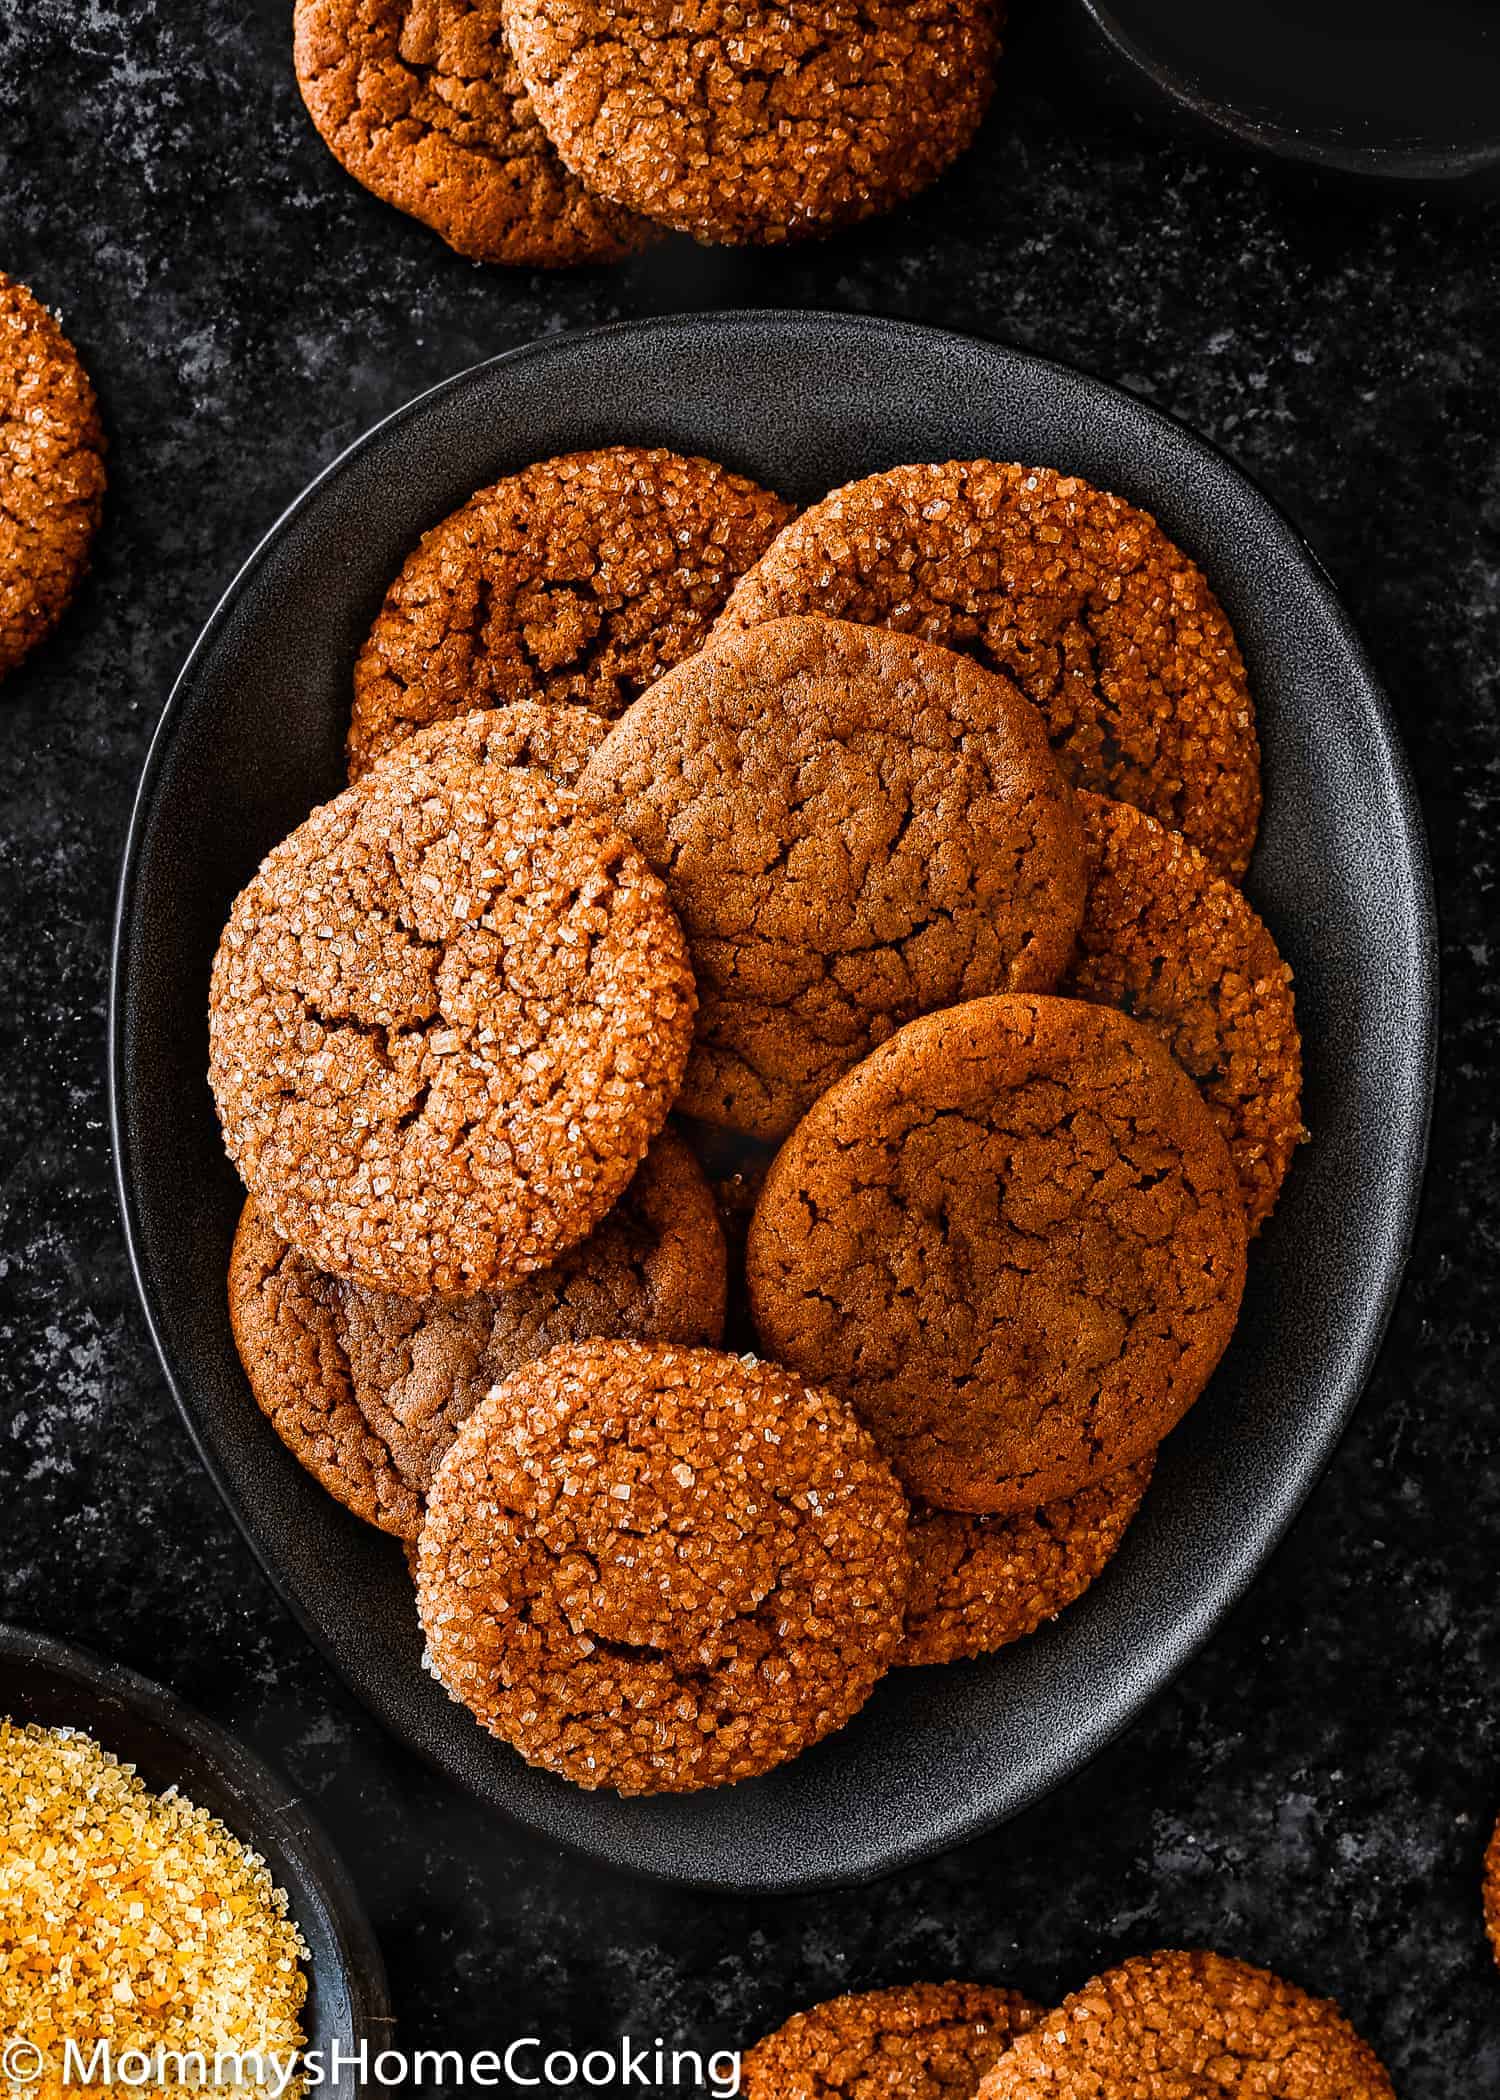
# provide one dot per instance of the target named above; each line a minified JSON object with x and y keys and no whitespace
{"x":134,"y":1919}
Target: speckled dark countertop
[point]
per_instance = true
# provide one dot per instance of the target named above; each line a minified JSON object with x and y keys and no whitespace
{"x":1316,"y":1790}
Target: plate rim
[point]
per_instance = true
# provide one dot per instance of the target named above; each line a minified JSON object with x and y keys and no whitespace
{"x":1406,"y":164}
{"x":1231,"y":1589}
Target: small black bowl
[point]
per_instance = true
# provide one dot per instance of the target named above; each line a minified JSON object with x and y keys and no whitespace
{"x":170,"y":1745}
{"x":1407,"y":90}
{"x":252,"y":738}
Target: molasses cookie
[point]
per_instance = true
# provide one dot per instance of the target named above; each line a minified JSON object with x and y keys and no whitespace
{"x":916,"y":2041}
{"x":51,"y":472}
{"x":757,"y":123}
{"x":446,"y":1019}
{"x":854,"y":828}
{"x":1166,"y":939}
{"x":557,"y":741}
{"x":579,"y":579}
{"x":369,"y":1389}
{"x":420,"y":101}
{"x":1078,"y":597}
{"x":1492,"y":1891}
{"x":658,"y":1569}
{"x":979,"y":1583}
{"x":1189,"y":2024}
{"x":1013,"y":1240}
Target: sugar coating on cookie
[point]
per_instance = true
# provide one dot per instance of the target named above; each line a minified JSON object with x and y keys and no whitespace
{"x":368,"y":1389}
{"x":757,"y":123}
{"x":979,"y":1583}
{"x":420,"y":101}
{"x":1195,"y":2026}
{"x":578,"y":579}
{"x":1013,"y":1239}
{"x":550,"y":738}
{"x":446,"y":1019}
{"x":914,"y":2041}
{"x":656,"y":1569}
{"x":51,"y":472}
{"x":854,"y":828}
{"x":1073,"y":593}
{"x":1168,"y":940}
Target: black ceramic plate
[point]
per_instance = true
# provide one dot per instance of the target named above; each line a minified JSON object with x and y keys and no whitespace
{"x":251,"y":738}
{"x":169,"y":1744}
{"x":1370,"y":87}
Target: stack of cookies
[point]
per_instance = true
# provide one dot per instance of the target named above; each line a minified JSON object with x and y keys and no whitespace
{"x":578,"y":131}
{"x":1163,"y":2026}
{"x":889,"y":851}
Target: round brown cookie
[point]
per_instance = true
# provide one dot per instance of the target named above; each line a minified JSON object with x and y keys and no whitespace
{"x":979,"y":1583}
{"x":420,"y":101}
{"x":658,"y":1569}
{"x":915,"y":2041}
{"x":757,"y":123}
{"x":557,"y":741}
{"x":854,"y":828}
{"x":579,"y":579}
{"x":1078,"y":597}
{"x":289,"y":1329}
{"x":1189,"y":2027}
{"x":446,"y":1019}
{"x":1492,"y":1891}
{"x":1166,"y":939}
{"x":51,"y":471}
{"x":369,"y":1389}
{"x":1013,"y":1239}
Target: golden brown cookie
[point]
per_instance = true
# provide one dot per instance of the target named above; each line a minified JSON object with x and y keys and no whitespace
{"x":915,"y":2041}
{"x":755,"y":123}
{"x":579,"y":579}
{"x":446,"y":1019}
{"x":555,"y":740}
{"x":369,"y":1389}
{"x":51,"y":472}
{"x":1166,"y":939}
{"x":979,"y":1583}
{"x":658,"y":1569}
{"x":420,"y":101}
{"x":1013,"y":1240}
{"x":1189,"y":2027}
{"x":854,"y":828}
{"x":1074,"y":594}
{"x":1492,"y":1891}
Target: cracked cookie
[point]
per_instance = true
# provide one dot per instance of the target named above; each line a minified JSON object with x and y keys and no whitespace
{"x":420,"y":101}
{"x":1168,"y":941}
{"x":579,"y":579}
{"x":854,"y":828}
{"x":914,"y":2041}
{"x":979,"y":1583}
{"x":1074,"y":594}
{"x":1013,"y":1239}
{"x":1195,"y":2026}
{"x":368,"y":1389}
{"x":754,"y":123}
{"x":557,"y":741}
{"x":51,"y":472}
{"x":657,"y":1569}
{"x":446,"y":1019}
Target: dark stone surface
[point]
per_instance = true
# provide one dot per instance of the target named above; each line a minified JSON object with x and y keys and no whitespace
{"x":1316,"y":1791}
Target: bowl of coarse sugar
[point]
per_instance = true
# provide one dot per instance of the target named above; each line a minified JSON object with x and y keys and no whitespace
{"x":170,"y":1916}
